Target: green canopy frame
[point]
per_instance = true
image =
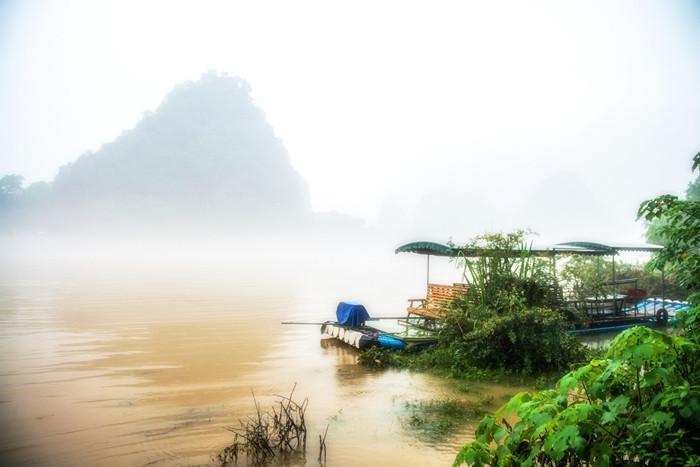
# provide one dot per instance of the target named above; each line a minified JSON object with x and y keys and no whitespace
{"x":585,"y":248}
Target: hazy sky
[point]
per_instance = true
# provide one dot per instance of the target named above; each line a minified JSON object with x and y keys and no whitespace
{"x":493,"y":108}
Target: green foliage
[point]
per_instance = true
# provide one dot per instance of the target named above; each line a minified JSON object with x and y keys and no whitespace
{"x":681,"y":230}
{"x":506,"y":275}
{"x":693,"y":191}
{"x":505,"y":323}
{"x":585,"y":276}
{"x":531,"y":340}
{"x":444,"y":361}
{"x":657,"y":227}
{"x":639,"y":405}
{"x":11,"y":185}
{"x":526,"y":340}
{"x":507,"y":319}
{"x":10,"y":191}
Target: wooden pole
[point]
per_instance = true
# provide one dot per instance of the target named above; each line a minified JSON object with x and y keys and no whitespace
{"x":427,"y":276}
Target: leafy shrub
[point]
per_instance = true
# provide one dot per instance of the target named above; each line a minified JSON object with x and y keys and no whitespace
{"x":503,"y":274}
{"x":680,"y":228}
{"x":531,"y":340}
{"x":640,"y":405}
{"x":528,"y":342}
{"x":506,"y":322}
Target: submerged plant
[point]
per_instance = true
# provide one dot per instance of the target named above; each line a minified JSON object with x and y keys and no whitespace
{"x":277,"y":433}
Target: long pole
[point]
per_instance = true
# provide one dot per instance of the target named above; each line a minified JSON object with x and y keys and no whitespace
{"x":377,"y":318}
{"x":427,"y":275}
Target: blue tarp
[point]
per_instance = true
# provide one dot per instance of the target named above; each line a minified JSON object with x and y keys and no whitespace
{"x":351,"y":314}
{"x":391,"y":342}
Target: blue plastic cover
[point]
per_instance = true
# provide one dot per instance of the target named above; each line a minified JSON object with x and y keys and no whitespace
{"x":391,"y":342}
{"x":351,"y":314}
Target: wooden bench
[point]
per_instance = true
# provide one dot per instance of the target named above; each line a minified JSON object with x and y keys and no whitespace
{"x":438,"y":297}
{"x":634,"y":297}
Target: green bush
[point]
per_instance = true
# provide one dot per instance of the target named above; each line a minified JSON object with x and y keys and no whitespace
{"x":503,"y":274}
{"x":531,"y":340}
{"x":507,"y":318}
{"x":680,"y":229}
{"x":640,"y":405}
{"x":505,"y":323}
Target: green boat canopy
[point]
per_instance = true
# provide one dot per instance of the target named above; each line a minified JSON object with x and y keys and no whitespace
{"x":568,"y":248}
{"x":427,"y":248}
{"x":614,"y":248}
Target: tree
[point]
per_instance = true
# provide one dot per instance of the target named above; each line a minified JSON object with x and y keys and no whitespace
{"x":693,"y":191}
{"x":11,"y":185}
{"x":10,"y":191}
{"x":638,"y":405}
{"x":656,"y":227}
{"x":680,"y":227}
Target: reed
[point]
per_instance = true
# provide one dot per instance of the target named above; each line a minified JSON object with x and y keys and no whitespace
{"x":277,"y":433}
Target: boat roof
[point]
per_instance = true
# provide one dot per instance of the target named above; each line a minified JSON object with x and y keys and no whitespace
{"x":568,"y":248}
{"x":427,"y":248}
{"x":615,"y":247}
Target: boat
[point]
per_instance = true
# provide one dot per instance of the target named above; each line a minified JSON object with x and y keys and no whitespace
{"x":623,"y":307}
{"x":626,"y":306}
{"x":651,"y":312}
{"x":355,"y":327}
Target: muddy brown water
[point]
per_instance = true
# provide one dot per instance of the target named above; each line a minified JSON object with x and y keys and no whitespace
{"x":144,"y":362}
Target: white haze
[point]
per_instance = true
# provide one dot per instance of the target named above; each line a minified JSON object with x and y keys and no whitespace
{"x":432,"y":119}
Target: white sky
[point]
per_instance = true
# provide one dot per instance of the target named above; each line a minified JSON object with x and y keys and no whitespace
{"x":485,"y":104}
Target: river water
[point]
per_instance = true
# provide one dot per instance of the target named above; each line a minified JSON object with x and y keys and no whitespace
{"x":146,"y":361}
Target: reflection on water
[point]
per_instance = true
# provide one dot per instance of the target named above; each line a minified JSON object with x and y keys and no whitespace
{"x":600,"y":340}
{"x":119,"y":363}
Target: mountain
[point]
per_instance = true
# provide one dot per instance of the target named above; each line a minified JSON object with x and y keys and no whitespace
{"x":205,"y":158}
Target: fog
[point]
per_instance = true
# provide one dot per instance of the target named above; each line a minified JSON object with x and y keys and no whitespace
{"x":388,"y":123}
{"x":177,"y":178}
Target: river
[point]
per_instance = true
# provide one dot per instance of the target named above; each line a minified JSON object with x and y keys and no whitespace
{"x":147,"y":360}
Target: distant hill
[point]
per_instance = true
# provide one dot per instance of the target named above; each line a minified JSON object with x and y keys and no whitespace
{"x":206,"y":157}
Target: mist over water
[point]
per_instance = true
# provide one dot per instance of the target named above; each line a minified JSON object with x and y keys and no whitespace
{"x":127,"y":360}
{"x":177,"y":179}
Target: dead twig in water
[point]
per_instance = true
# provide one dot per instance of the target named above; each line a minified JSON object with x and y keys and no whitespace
{"x":322,"y":447}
